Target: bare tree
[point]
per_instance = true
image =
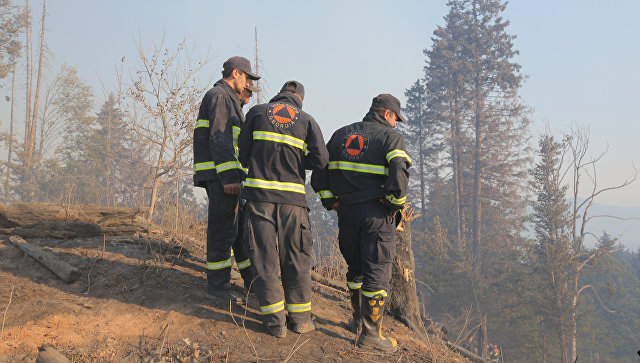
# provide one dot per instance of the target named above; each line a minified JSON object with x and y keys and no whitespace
{"x":14,"y":53}
{"x":161,"y":108}
{"x":560,"y":220}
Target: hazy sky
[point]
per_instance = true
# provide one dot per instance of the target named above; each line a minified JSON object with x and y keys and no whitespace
{"x":580,"y":57}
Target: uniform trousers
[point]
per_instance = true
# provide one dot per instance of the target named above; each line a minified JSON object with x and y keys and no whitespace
{"x":223,"y":234}
{"x":279,"y":241}
{"x":366,"y":238}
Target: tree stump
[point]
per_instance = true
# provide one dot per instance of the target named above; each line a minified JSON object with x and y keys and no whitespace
{"x":404,"y":304}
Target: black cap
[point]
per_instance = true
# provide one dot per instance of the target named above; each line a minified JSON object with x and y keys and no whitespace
{"x":240,"y":63}
{"x":295,"y":87}
{"x":253,"y":88}
{"x":388,"y":102}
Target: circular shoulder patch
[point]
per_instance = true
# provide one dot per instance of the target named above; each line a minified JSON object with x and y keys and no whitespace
{"x":354,"y":144}
{"x":282,"y":115}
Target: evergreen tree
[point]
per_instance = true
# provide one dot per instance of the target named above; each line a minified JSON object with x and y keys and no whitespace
{"x":472,"y":84}
{"x":12,"y":24}
{"x":106,"y":150}
{"x":424,"y":144}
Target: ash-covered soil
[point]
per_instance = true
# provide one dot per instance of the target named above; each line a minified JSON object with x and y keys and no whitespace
{"x":141,"y":300}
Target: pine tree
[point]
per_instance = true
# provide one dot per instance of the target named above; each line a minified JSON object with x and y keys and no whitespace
{"x":472,"y":83}
{"x":106,"y":150}
{"x":424,"y":144}
{"x":12,"y":25}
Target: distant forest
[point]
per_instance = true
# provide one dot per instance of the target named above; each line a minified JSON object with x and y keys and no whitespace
{"x":503,"y":250}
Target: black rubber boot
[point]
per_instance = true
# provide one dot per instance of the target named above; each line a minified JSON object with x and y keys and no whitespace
{"x":301,"y":328}
{"x":279,"y":331}
{"x":371,"y":337}
{"x":355,"y":321}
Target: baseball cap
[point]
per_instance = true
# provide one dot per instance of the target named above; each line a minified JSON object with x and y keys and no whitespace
{"x":253,"y":88}
{"x":388,"y":102}
{"x":293,"y":86}
{"x":242,"y":64}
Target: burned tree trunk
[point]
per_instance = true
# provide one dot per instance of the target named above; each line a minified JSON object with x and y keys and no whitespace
{"x":21,"y":214}
{"x":61,"y":268}
{"x":404,"y":303}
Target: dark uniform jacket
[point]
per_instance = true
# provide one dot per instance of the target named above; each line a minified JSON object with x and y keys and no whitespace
{"x":277,"y":143}
{"x":367,"y":161}
{"x":215,"y":151}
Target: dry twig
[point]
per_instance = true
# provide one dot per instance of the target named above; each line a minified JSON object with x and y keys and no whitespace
{"x":165,"y":329}
{"x":244,"y":318}
{"x":4,"y":316}
{"x":295,"y":350}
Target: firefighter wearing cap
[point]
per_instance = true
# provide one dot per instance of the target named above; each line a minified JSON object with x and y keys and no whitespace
{"x":246,"y":94}
{"x":366,"y":182}
{"x":217,"y":169}
{"x":278,"y":142}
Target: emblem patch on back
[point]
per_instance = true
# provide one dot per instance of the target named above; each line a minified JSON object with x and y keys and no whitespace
{"x":354,"y":144}
{"x":282,"y":115}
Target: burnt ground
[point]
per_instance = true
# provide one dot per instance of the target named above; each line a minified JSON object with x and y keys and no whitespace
{"x":137,"y":301}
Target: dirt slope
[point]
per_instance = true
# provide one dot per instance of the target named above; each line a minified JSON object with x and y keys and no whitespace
{"x":138,"y":301}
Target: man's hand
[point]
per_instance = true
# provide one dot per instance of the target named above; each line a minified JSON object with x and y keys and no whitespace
{"x":335,"y":206}
{"x":232,"y":189}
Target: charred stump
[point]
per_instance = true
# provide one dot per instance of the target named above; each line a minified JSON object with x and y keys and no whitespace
{"x":404,"y":304}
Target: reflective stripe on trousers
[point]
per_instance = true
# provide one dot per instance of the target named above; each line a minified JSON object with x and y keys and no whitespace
{"x":273,"y":308}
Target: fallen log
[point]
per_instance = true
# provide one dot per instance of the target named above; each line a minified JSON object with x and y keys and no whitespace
{"x":465,"y":353}
{"x":62,"y":269}
{"x":20,"y":214}
{"x":58,"y":230}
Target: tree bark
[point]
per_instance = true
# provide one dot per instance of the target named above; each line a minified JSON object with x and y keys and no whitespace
{"x":10,"y":143}
{"x":456,"y":165}
{"x":26,"y":162}
{"x":62,"y":269}
{"x":36,"y":99}
{"x":404,"y":299}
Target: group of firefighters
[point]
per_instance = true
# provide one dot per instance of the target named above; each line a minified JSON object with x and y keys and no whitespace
{"x":253,"y":169}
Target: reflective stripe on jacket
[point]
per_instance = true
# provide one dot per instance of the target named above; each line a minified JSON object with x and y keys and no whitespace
{"x":278,"y":142}
{"x":367,"y":161}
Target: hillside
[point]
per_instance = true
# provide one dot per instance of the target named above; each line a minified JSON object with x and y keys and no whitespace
{"x":141,"y":297}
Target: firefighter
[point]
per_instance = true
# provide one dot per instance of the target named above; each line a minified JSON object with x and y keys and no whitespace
{"x":366,"y":183}
{"x":278,"y":142}
{"x":247,"y":93}
{"x":247,"y":272}
{"x":216,"y":168}
{"x":494,"y":353}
